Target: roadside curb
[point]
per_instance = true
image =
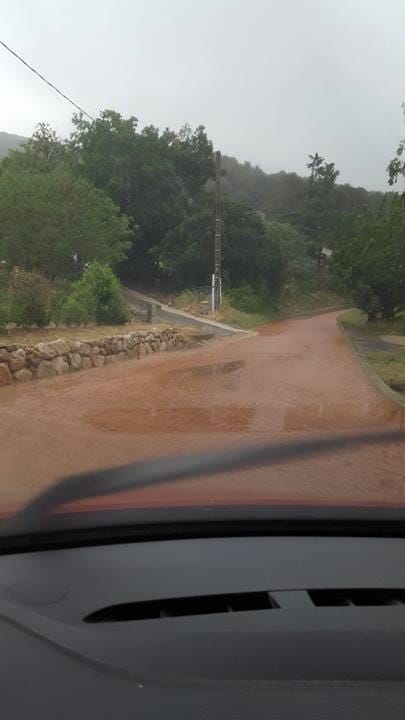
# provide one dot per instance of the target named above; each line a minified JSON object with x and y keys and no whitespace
{"x":218,"y":329}
{"x":174,"y":316}
{"x":370,"y":372}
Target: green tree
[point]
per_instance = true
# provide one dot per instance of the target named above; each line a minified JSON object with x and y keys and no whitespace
{"x":314,"y":165}
{"x":320,"y":212}
{"x":296,"y":265}
{"x":57,"y":223}
{"x":153,"y":177}
{"x":43,"y":152}
{"x":133,"y":169}
{"x":251,"y":252}
{"x":396,"y":168}
{"x":192,"y":155}
{"x":370,"y":259}
{"x":103,"y":153}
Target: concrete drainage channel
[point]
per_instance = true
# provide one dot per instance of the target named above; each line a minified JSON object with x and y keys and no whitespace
{"x":152,"y":311}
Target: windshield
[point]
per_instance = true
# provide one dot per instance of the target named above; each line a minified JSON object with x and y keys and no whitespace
{"x":201,"y":246}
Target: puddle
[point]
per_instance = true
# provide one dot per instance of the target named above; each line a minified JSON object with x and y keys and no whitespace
{"x":166,"y":419}
{"x":223,"y":368}
{"x":322,"y":416}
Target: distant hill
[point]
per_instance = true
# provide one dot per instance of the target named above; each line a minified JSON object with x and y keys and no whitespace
{"x":8,"y":141}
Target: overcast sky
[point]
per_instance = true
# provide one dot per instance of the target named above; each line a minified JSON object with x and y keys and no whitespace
{"x":272,"y":80}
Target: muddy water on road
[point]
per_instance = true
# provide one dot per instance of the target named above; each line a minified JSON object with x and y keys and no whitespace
{"x":293,"y":378}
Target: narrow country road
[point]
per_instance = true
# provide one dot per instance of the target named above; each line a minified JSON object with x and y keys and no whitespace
{"x":295,"y":377}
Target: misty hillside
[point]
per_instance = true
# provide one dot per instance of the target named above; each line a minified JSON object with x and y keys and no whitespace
{"x":8,"y":141}
{"x":281,"y":195}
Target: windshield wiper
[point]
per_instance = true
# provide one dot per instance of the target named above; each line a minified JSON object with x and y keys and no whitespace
{"x":169,"y":469}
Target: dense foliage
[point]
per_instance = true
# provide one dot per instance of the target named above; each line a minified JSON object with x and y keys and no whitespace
{"x":314,"y":205}
{"x":186,"y":251}
{"x":369,"y":251}
{"x":69,"y":202}
{"x":370,"y":259}
{"x":152,"y":177}
{"x":114,"y":196}
{"x":56,"y":222}
{"x":29,"y":298}
{"x":283,"y":195}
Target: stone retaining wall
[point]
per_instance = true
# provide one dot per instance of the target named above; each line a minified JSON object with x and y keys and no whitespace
{"x":27,"y":362}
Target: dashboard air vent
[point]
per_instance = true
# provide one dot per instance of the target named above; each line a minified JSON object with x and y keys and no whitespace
{"x":362,"y":597}
{"x":180,"y":607}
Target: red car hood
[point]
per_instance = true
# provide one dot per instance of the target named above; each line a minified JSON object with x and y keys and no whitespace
{"x":183,"y":497}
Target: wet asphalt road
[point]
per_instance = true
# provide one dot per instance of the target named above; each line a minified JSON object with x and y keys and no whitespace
{"x":294,"y":378}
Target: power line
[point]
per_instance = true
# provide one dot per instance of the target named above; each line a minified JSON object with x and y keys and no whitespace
{"x":45,"y":80}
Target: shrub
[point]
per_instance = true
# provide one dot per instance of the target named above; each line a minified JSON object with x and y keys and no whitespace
{"x":185,"y":300}
{"x":245,"y":298}
{"x":62,"y":289}
{"x":30,"y":298}
{"x":96,"y":297}
{"x":364,"y":298}
{"x":76,"y":312}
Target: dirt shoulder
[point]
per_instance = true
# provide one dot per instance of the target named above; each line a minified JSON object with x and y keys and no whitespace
{"x":381,"y":352}
{"x":33,"y":336}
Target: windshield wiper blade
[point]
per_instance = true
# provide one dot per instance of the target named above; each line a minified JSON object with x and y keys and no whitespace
{"x":171,"y":468}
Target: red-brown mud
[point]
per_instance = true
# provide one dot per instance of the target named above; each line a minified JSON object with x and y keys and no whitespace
{"x":294,"y":378}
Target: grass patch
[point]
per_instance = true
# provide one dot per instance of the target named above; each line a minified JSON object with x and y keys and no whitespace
{"x":389,"y":366}
{"x":188,"y":301}
{"x":356,"y":319}
{"x":20,"y":336}
{"x":353,"y":318}
{"x":289,"y":305}
{"x":243,"y":320}
{"x":296,"y":303}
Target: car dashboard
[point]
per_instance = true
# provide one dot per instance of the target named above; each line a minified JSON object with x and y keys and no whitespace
{"x":259,"y":626}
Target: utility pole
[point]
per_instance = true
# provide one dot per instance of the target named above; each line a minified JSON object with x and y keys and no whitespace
{"x":216,"y":278}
